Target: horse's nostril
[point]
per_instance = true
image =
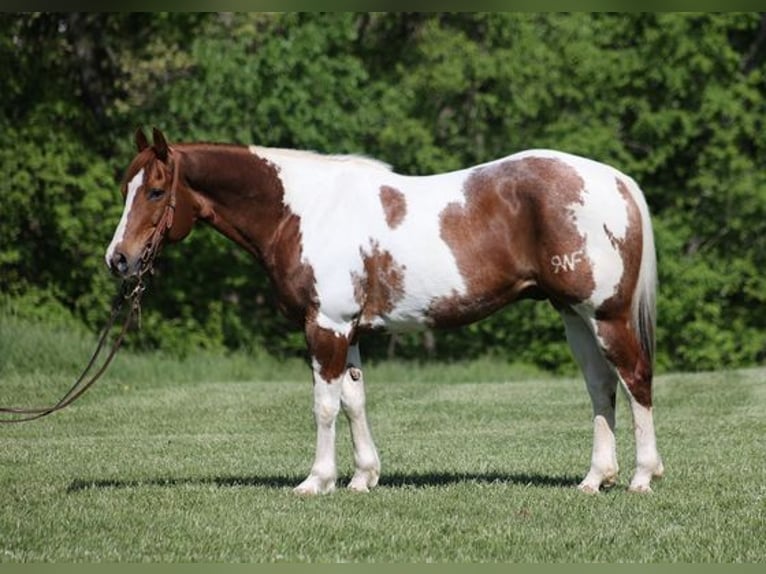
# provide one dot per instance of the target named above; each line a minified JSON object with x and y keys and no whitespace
{"x":119,"y":263}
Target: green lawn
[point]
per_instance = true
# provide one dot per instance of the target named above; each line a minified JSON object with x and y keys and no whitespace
{"x":162,"y":464}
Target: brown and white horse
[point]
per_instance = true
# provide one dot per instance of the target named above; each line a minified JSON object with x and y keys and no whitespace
{"x":351,"y":246}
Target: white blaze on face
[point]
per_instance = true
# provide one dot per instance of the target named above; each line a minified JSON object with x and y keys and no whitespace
{"x":119,"y":233}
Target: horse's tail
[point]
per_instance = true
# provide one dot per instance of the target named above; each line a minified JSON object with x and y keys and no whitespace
{"x":645,"y":296}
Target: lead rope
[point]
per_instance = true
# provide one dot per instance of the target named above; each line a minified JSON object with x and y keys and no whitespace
{"x":130,"y":290}
{"x":81,"y":385}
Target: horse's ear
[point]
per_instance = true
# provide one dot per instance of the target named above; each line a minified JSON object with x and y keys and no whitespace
{"x":161,"y":147}
{"x":141,"y":142}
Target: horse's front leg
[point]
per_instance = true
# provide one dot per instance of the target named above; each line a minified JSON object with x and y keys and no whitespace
{"x":321,"y":480}
{"x":328,"y":351}
{"x":366,"y":461}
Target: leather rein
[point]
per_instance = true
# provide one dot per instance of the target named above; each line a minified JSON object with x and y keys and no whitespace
{"x":130,"y":291}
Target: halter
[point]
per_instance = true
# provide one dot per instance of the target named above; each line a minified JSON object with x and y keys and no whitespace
{"x":152,"y":248}
{"x":154,"y":245}
{"x":130,"y":290}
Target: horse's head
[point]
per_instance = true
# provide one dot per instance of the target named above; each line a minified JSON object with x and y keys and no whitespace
{"x":156,"y":206}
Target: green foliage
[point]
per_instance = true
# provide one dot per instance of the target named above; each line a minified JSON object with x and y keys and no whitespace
{"x":675,"y":100}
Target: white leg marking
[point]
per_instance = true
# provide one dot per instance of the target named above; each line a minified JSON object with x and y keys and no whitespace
{"x":648,"y":461}
{"x":321,"y":480}
{"x":366,"y":461}
{"x":603,"y":464}
{"x":601,"y":381}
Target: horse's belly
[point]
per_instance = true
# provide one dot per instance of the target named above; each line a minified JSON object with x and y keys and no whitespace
{"x":398,"y":290}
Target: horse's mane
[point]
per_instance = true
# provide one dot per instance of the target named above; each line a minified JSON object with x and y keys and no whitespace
{"x":306,"y":154}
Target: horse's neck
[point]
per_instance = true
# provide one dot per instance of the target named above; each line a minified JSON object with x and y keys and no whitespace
{"x":238,"y":193}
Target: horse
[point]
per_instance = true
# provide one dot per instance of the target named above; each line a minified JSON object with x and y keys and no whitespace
{"x":351,"y":246}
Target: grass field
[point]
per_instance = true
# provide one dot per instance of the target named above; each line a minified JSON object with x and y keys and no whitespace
{"x":195,"y":461}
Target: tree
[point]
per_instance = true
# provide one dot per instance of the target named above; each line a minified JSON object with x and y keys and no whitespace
{"x":675,"y":100}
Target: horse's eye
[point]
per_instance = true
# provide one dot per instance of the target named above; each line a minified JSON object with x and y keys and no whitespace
{"x":155,"y":193}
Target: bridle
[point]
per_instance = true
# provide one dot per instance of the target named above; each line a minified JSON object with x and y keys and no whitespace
{"x":130,"y":291}
{"x":154,"y":245}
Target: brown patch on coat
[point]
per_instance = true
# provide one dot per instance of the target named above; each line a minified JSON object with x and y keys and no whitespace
{"x":244,"y":189}
{"x":291,"y":276}
{"x":328,"y":348}
{"x":380,"y":286}
{"x":514,"y":220}
{"x":612,"y":238}
{"x":623,"y":350}
{"x":394,"y":205}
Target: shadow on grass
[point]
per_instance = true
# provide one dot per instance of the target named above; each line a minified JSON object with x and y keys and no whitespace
{"x":395,"y":480}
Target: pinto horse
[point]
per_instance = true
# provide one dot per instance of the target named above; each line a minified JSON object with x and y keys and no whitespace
{"x":351,"y":246}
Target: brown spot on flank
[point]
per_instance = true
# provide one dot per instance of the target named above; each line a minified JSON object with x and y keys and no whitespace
{"x":612,"y":238}
{"x":394,"y":205}
{"x":515,"y":220}
{"x":380,"y":286}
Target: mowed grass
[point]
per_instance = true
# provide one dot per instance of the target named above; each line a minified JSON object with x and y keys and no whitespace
{"x":171,"y":460}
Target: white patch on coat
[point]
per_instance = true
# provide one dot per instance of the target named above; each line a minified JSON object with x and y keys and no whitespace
{"x":133,"y":186}
{"x":338,"y":202}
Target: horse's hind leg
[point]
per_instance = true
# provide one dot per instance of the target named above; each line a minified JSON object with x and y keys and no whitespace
{"x":601,"y":381}
{"x":622,"y":348}
{"x":608,"y":351}
{"x":366,"y":461}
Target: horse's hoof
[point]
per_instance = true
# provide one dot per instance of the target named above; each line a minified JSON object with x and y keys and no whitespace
{"x":363,"y":481}
{"x":640,"y":488}
{"x":313,"y":486}
{"x":587,"y":488}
